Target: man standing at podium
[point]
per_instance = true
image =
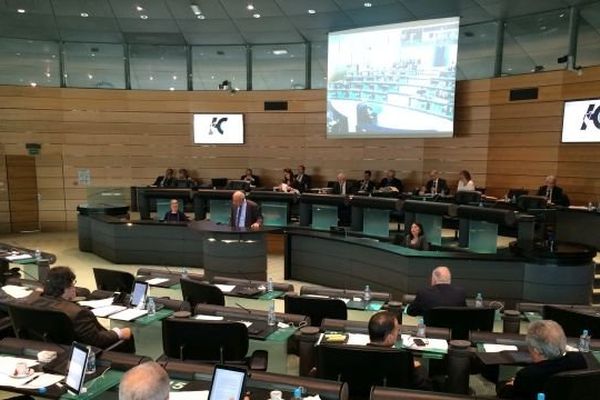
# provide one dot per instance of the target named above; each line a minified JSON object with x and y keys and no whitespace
{"x":244,"y":213}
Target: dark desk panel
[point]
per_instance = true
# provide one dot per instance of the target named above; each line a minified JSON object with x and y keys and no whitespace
{"x":579,"y":226}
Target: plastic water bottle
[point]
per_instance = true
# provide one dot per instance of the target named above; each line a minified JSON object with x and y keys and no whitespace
{"x":270,"y":285}
{"x":38,"y":254}
{"x":184,"y":272}
{"x":514,"y":199}
{"x":541,"y":396}
{"x":421,"y":328}
{"x":298,"y":392}
{"x":151,"y":306}
{"x":271,"y":318}
{"x":584,"y":342}
{"x":478,"y":301}
{"x":590,"y":206}
{"x":91,"y":363}
{"x":367,"y":294}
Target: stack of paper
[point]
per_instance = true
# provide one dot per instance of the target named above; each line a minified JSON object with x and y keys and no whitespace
{"x":18,"y":292}
{"x":497,"y":348}
{"x":156,"y":281}
{"x":432,"y":345}
{"x":108,"y":310}
{"x":96,"y":303}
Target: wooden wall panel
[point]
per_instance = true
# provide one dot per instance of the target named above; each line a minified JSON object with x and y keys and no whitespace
{"x":4,"y":204}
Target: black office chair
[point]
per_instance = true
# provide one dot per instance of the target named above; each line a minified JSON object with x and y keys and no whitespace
{"x":467,"y":197}
{"x":195,"y":292}
{"x":113,"y":281}
{"x":461,"y":320}
{"x":210,"y":341}
{"x":363,"y":367}
{"x":316,"y":308}
{"x":526,"y":202}
{"x":42,"y":325}
{"x":219,"y":183}
{"x":381,"y":393}
{"x":572,"y":321}
{"x":238,"y":185}
{"x":573,"y":385}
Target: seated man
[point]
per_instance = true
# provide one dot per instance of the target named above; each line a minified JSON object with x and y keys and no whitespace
{"x":553,"y":193}
{"x":546,"y":343}
{"x":244,"y":213}
{"x":174,"y":215}
{"x":250,"y":178}
{"x":342,"y":186}
{"x":435,"y":184}
{"x":441,"y":294}
{"x":166,"y":180}
{"x":302,"y":180}
{"x":366,"y":184}
{"x":58,"y":295}
{"x":390,"y":181}
{"x":147,"y":381}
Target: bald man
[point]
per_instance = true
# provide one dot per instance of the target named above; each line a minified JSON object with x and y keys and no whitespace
{"x":441,"y":293}
{"x":435,"y":184}
{"x":147,"y":381}
{"x":553,"y":193}
{"x":244,"y":213}
{"x":341,"y":185}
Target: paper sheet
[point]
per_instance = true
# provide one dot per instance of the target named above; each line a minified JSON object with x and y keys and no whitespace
{"x":247,"y":323}
{"x":18,"y":257}
{"x":43,"y":380}
{"x":106,"y":311}
{"x":96,"y":303}
{"x":208,"y":317}
{"x":344,"y":299}
{"x":18,"y":292}
{"x":358,"y":339}
{"x":196,"y":395}
{"x":156,"y":281}
{"x":433,"y":345}
{"x":225,"y":288}
{"x":129,"y":314}
{"x":497,"y":348}
{"x":8,"y":364}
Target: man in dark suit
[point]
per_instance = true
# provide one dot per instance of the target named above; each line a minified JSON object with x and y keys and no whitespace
{"x":366,"y":184}
{"x":391,"y":181}
{"x":342,"y":186}
{"x":441,"y":294}
{"x":546,"y":343}
{"x":302,"y":180}
{"x":166,"y":180}
{"x":244,"y":213}
{"x":435,"y":184}
{"x":553,"y":193}
{"x":59,"y":292}
{"x":250,"y":178}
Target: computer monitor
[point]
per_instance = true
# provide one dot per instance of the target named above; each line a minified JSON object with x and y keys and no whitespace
{"x":227,"y":383}
{"x":77,"y":366}
{"x":138,"y":294}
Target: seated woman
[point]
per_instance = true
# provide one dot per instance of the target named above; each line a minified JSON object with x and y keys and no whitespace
{"x":415,"y":239}
{"x":174,"y":215}
{"x":288,"y":183}
{"x":464,"y":181}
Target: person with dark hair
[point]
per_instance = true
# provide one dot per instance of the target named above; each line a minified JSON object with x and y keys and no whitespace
{"x":464,"y":181}
{"x":174,"y":215}
{"x":302,"y":180}
{"x":59,"y":293}
{"x":415,"y":239}
{"x":383,"y":329}
{"x":288,"y":183}
{"x":390,"y":181}
{"x":184,"y":179}
{"x":166,"y":180}
{"x":366,"y":185}
{"x":249,"y":177}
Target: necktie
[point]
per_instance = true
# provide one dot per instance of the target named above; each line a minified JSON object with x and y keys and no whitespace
{"x":549,"y":193}
{"x":239,"y":217}
{"x":434,"y":186}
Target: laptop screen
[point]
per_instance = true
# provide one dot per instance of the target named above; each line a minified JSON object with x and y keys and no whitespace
{"x":138,"y":294}
{"x":227,"y":383}
{"x":77,"y":366}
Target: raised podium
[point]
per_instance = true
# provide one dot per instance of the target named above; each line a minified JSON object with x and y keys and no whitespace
{"x":371,"y":215}
{"x":275,"y":206}
{"x":217,"y":201}
{"x":320,"y":211}
{"x":478,"y":227}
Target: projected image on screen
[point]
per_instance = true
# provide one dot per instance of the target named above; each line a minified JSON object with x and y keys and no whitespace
{"x":393,"y":80}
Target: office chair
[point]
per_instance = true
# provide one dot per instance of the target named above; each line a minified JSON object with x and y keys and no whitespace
{"x":210,"y":341}
{"x":113,"y":281}
{"x":526,"y":202}
{"x":363,"y":367}
{"x":467,"y":197}
{"x":573,"y":385}
{"x":238,"y":185}
{"x":218,"y":183}
{"x":572,"y":321}
{"x":316,"y":308}
{"x":42,"y":325}
{"x":195,"y":292}
{"x":382,"y":393}
{"x":461,"y":320}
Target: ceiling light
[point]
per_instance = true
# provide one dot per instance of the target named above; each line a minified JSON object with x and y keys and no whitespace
{"x":256,"y":15}
{"x":21,"y":10}
{"x":174,"y":77}
{"x":143,"y":16}
{"x":280,"y":52}
{"x":90,"y":76}
{"x":195,"y":9}
{"x":250,"y":6}
{"x":33,"y":84}
{"x":151,"y":78}
{"x":139,"y":8}
{"x":84,"y":15}
{"x":311,"y":11}
{"x":367,"y":4}
{"x":201,"y":16}
{"x":48,"y":75}
{"x":171,"y":88}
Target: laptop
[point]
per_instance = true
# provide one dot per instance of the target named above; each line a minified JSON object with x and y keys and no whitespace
{"x":77,"y":367}
{"x":227,"y":383}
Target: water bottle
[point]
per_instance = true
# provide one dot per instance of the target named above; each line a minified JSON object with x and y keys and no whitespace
{"x":270,"y":285}
{"x":514,"y":199}
{"x":91,"y":363}
{"x":590,"y":206}
{"x":38,"y":254}
{"x":478,"y":301}
{"x":151,"y":306}
{"x":421,"y":328}
{"x":184,"y":272}
{"x":271,"y":318}
{"x":298,"y":393}
{"x":541,"y":396}
{"x":367,"y":294}
{"x":584,"y":342}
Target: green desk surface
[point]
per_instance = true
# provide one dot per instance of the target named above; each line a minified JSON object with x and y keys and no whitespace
{"x":97,"y":386}
{"x":148,"y":319}
{"x":275,"y":294}
{"x":532,"y":316}
{"x":281,"y":334}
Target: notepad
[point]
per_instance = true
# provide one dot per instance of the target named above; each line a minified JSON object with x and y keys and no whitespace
{"x":433,"y":345}
{"x":156,"y":281}
{"x":18,"y":292}
{"x":17,"y":257}
{"x":358,"y":339}
{"x":196,"y":395}
{"x":225,"y":288}
{"x":96,"y":303}
{"x":108,"y":310}
{"x":129,"y":314}
{"x":497,"y":348}
{"x":208,"y":317}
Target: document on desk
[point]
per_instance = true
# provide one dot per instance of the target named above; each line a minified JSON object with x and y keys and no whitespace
{"x":96,"y":303}
{"x":42,"y":380}
{"x":358,"y":339}
{"x":18,"y":292}
{"x":196,"y":395}
{"x":108,"y":310}
{"x":156,"y":281}
{"x":208,"y":317}
{"x":18,"y":257}
{"x":8,"y":364}
{"x":432,"y":345}
{"x":497,"y":348}
{"x":129,"y":314}
{"x":226,"y":288}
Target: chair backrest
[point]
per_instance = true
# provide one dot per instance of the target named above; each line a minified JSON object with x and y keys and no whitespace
{"x":573,"y":322}
{"x":238,"y":185}
{"x":113,"y":281}
{"x":381,"y":393}
{"x":526,"y":202}
{"x":574,"y":385}
{"x":467,"y":196}
{"x":315,"y":307}
{"x":461,"y":320}
{"x":34,"y":323}
{"x":195,"y":292}
{"x":363,"y":367}
{"x":189,"y":339}
{"x":218,"y":183}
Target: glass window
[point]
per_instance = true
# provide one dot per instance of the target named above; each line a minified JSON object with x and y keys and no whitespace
{"x":212,"y":65}
{"x":29,"y":62}
{"x":94,"y":65}
{"x":278,"y":67}
{"x":535,"y":42}
{"x":318,"y":64}
{"x":158,"y":67}
{"x":477,"y":51}
{"x":588,"y":41}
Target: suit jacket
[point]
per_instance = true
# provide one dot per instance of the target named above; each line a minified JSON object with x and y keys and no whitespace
{"x":160,"y":181}
{"x":302,"y":182}
{"x":253,"y":214}
{"x":421,"y":244}
{"x":558,"y":196}
{"x":442,"y":295}
{"x":254,"y":182}
{"x":337,"y":188}
{"x":397,"y":183}
{"x":369,"y":186}
{"x":177,"y":217}
{"x":87,"y":328}
{"x":532,"y":379}
{"x":442,"y":186}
